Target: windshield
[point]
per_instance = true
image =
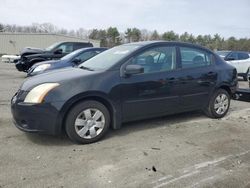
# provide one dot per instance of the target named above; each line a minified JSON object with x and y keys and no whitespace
{"x":52,"y":46}
{"x":71,"y":55}
{"x":107,"y":59}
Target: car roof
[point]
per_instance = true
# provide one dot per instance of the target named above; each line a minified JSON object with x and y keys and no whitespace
{"x":148,"y":43}
{"x":144,"y":43}
{"x":84,"y":42}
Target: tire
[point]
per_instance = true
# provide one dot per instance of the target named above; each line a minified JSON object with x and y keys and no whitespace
{"x":245,"y":76}
{"x":218,"y":100}
{"x":87,"y":122}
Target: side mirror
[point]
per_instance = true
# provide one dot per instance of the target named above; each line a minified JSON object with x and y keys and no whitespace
{"x":76,"y":61}
{"x":58,"y":51}
{"x":229,"y":59}
{"x":133,"y":69}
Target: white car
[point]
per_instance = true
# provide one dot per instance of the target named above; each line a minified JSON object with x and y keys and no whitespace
{"x":9,"y":58}
{"x":241,"y":61}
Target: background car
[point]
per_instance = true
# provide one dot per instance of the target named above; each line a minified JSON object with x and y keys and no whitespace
{"x":248,"y":77}
{"x":70,"y":60}
{"x":241,"y":61}
{"x":9,"y":58}
{"x":222,"y":53}
{"x":126,"y":83}
{"x":30,"y":56}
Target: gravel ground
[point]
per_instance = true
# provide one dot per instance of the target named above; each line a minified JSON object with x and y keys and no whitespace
{"x":185,"y":150}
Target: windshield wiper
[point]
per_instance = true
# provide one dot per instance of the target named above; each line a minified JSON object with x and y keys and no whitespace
{"x":86,"y":68}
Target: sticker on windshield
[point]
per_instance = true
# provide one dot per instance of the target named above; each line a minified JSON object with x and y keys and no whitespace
{"x":121,"y":52}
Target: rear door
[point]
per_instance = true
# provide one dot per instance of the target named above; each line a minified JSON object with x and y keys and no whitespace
{"x":198,"y":77}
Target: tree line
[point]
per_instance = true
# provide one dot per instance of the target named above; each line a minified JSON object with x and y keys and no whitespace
{"x":112,"y":36}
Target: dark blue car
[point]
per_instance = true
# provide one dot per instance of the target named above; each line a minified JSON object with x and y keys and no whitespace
{"x":73,"y":59}
{"x":125,"y":83}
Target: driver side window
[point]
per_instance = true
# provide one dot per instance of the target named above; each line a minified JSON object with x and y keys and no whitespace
{"x":233,"y":55}
{"x":156,"y":59}
{"x":87,"y":55}
{"x":66,"y":48}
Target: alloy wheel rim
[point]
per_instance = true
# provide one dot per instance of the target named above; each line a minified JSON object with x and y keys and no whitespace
{"x":221,"y":104}
{"x":89,"y":123}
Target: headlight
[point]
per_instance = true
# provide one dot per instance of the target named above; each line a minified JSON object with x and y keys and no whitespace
{"x":37,"y":94}
{"x":41,"y":67}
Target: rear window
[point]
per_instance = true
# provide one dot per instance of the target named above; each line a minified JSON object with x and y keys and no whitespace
{"x":192,"y":57}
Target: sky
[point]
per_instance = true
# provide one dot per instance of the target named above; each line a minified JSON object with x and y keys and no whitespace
{"x":225,"y":17}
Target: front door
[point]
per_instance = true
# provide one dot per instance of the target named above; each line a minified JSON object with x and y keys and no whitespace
{"x":232,"y":58}
{"x":153,"y":92}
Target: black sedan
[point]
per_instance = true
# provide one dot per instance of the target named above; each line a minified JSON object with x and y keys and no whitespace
{"x":126,"y":83}
{"x":29,"y":56}
{"x":73,"y":59}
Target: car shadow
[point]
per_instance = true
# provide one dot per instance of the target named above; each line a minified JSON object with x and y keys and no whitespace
{"x":49,"y":140}
{"x":153,"y":123}
{"x":126,"y":129}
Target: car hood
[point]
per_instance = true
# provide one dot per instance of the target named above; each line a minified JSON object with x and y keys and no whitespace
{"x":52,"y":62}
{"x":31,"y":50}
{"x":59,"y":76}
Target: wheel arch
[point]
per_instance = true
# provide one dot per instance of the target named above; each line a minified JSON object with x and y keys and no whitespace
{"x":115,"y":119}
{"x":226,"y":88}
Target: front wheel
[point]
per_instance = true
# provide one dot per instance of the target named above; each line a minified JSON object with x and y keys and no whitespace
{"x":87,"y":122}
{"x":219,"y":104}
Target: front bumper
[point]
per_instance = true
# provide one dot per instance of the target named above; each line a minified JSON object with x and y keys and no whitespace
{"x":20,"y":66}
{"x":242,"y":95}
{"x":41,"y":118}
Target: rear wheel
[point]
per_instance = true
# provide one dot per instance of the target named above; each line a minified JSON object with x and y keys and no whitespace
{"x":87,"y":122}
{"x":219,"y":104}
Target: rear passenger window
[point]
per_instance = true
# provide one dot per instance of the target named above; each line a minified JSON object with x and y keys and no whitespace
{"x":191,"y":57}
{"x":243,"y":56}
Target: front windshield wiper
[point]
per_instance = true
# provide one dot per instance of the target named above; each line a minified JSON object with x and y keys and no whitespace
{"x":86,"y":68}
